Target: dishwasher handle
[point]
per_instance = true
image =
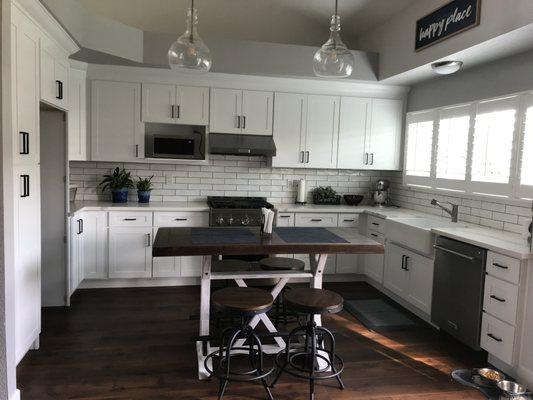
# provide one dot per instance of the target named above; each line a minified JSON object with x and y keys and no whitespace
{"x":455,"y":253}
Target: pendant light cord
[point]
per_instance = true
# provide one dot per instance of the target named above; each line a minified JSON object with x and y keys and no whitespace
{"x":336,"y":7}
{"x":192,"y":21}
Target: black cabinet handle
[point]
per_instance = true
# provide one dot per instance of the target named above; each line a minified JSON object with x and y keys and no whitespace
{"x":172,"y":113}
{"x":25,"y":143}
{"x":149,"y":242}
{"x":59,"y":90}
{"x":497,"y":298}
{"x":375,"y":224}
{"x":375,"y":235}
{"x":500,"y":266}
{"x":366,"y":158}
{"x":284,"y":216}
{"x":244,"y":122}
{"x":180,"y":219}
{"x":316,"y":220}
{"x":307,"y":157}
{"x":178,"y":114}
{"x":371,"y":158}
{"x":25,"y":186}
{"x":238,"y":122}
{"x":137,"y":150}
{"x":80,"y":226}
{"x":349,"y":220}
{"x":494,"y":337}
{"x":403,"y":262}
{"x":406,"y":261}
{"x":130,"y":219}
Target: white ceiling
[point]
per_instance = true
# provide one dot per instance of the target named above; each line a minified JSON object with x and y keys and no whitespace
{"x":302,"y":22}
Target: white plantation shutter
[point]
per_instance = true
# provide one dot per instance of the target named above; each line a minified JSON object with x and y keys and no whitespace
{"x":492,"y":154}
{"x":452,"y":147}
{"x":525,"y":189}
{"x":419,"y":148}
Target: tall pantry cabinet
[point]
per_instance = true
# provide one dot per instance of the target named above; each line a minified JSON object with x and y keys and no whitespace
{"x":31,"y":49}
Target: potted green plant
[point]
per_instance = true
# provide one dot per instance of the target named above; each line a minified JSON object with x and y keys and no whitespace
{"x":118,"y":182}
{"x":144,"y":187}
{"x":325,"y":195}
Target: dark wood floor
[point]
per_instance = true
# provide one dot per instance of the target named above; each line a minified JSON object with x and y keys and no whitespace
{"x":135,"y":344}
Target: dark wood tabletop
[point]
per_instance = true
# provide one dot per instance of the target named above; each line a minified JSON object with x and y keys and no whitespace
{"x":174,"y":242}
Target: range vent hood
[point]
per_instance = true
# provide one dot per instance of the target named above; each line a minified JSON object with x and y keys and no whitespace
{"x":241,"y":145}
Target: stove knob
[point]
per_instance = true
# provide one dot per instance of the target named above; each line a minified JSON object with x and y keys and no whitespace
{"x":220,"y":220}
{"x":245,"y":221}
{"x":230,"y":221}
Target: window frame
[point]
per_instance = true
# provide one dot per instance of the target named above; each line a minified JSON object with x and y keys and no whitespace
{"x":417,"y":117}
{"x":523,"y":191}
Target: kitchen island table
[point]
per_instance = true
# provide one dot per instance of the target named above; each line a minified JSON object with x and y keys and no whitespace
{"x":234,"y":241}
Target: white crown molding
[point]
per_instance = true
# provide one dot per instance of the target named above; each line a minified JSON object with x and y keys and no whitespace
{"x":79,"y":65}
{"x":38,"y":13}
{"x":251,"y":82}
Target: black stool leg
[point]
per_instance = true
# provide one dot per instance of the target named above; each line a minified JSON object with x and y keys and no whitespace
{"x":224,"y":380}
{"x":259,"y":372}
{"x":332,"y":352}
{"x":314,"y":366}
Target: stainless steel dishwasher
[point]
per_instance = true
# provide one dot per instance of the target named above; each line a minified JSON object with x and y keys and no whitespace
{"x":458,"y":286}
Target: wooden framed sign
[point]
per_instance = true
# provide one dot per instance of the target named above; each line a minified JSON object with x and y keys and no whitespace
{"x":455,"y":17}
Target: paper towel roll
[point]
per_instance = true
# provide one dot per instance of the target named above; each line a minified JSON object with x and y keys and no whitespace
{"x":302,"y":193}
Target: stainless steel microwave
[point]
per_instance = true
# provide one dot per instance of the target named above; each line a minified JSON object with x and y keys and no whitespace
{"x":173,"y":147}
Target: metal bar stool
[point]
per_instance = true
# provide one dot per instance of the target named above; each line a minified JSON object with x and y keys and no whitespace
{"x":303,"y":362}
{"x":244,"y":302}
{"x":281,"y":264}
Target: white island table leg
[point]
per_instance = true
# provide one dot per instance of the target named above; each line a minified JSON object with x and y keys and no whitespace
{"x":318,"y":264}
{"x":205,"y":300}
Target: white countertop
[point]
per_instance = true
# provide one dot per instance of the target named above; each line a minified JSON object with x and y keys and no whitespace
{"x":507,"y":243}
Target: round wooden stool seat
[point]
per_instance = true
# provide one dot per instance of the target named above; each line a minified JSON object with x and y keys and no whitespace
{"x":281,"y":264}
{"x":242,"y":300}
{"x":313,"y":301}
{"x":230,"y":265}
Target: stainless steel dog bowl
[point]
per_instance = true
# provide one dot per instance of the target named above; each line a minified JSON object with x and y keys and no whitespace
{"x":512,"y":388}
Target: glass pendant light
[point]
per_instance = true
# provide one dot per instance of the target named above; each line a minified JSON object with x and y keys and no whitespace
{"x":334,"y":59}
{"x":189,"y":52}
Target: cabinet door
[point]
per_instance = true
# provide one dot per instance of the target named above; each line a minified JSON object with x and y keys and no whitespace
{"x":396,"y":277}
{"x":77,"y":116}
{"x":290,"y":114}
{"x":94,"y":235}
{"x":353,"y":124}
{"x":225,"y":111}
{"x":54,"y":73}
{"x":385,"y":134}
{"x":420,"y":290}
{"x":116,"y":130}
{"x":62,"y":81}
{"x":76,"y":254}
{"x":158,"y":103}
{"x":165,"y":267}
{"x":374,"y":263}
{"x":192,"y":105}
{"x":257,"y":112}
{"x":27,"y":260}
{"x":191,"y":266}
{"x":322,"y":131}
{"x":130,"y":252}
{"x":25,"y":72}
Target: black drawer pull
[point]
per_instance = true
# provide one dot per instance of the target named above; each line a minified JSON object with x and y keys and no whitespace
{"x":500,"y":266}
{"x":284,"y":216}
{"x":349,"y":220}
{"x":497,"y":298}
{"x":375,"y":223}
{"x":180,"y":219}
{"x":316,"y":220}
{"x":25,"y":143}
{"x":130,"y":219}
{"x":374,"y":234}
{"x":494,"y":337}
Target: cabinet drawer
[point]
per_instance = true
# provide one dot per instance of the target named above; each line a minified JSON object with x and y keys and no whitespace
{"x":497,"y":338}
{"x":348,"y":220}
{"x":501,"y":299}
{"x":170,"y":219}
{"x":376,"y":224}
{"x":311,"y":219}
{"x":125,"y":218}
{"x":503,"y":267}
{"x":285,"y":219}
{"x":378,"y":237}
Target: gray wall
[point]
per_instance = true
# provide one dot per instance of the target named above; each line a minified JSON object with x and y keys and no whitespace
{"x":501,"y":77}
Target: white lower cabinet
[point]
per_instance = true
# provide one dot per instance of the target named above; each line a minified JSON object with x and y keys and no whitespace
{"x":497,"y":338}
{"x":130,"y":252}
{"x":410,"y":276}
{"x":373,"y":263}
{"x":95,"y":251}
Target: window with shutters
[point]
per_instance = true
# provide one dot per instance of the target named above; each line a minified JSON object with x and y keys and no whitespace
{"x":419,"y":146}
{"x":526,"y":154}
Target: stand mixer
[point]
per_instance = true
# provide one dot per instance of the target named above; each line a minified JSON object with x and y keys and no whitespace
{"x":381,"y":194}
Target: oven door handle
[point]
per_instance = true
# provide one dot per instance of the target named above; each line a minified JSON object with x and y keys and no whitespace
{"x":455,"y":253}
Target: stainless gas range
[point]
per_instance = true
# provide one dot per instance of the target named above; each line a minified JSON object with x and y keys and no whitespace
{"x":236,"y":211}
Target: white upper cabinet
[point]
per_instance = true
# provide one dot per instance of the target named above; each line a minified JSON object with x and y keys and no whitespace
{"x":290,"y":117}
{"x":305,"y":130}
{"x":54,"y":74}
{"x":165,"y":103}
{"x":354,"y":116}
{"x":257,"y":112}
{"x":385,"y":135}
{"x":241,"y":112}
{"x":322,"y":128}
{"x":25,"y":72}
{"x":77,"y":116}
{"x":370,"y":133}
{"x":116,"y":128}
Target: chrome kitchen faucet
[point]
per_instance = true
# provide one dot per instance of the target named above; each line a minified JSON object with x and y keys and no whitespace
{"x":454,"y":211}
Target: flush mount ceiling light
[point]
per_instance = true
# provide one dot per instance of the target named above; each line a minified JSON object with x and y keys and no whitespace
{"x":446,"y":67}
{"x":334,"y":59}
{"x":189,"y":52}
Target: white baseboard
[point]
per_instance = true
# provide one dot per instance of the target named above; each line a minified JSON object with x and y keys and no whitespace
{"x":15,"y":396}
